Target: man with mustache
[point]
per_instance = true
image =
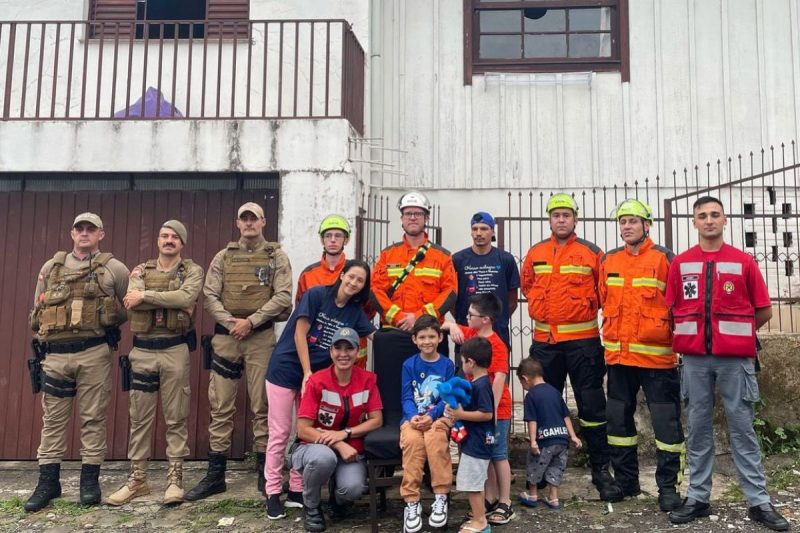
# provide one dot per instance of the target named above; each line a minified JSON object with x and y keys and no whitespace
{"x":161,"y":297}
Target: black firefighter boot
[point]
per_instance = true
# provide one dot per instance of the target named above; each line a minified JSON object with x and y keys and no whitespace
{"x":606,"y":485}
{"x":669,"y":465}
{"x":599,"y":457}
{"x":214,"y":482}
{"x":625,"y":461}
{"x":48,"y":487}
{"x":90,"y":485}
{"x":261,"y":458}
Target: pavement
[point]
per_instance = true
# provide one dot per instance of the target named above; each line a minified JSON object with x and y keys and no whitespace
{"x":242,"y":509}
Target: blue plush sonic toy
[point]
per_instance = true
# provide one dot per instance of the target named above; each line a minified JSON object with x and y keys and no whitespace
{"x":456,"y":391}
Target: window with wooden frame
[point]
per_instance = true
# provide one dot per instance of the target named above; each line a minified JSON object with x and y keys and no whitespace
{"x":153,"y":19}
{"x":545,"y":36}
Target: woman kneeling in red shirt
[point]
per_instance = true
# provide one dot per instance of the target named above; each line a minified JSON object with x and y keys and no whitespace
{"x":341,"y":404}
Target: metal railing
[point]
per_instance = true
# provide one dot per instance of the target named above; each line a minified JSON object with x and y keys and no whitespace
{"x":372,"y":226}
{"x":762,"y":206}
{"x":201,"y":69}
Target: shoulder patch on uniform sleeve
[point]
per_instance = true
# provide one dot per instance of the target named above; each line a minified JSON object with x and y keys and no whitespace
{"x":136,"y":273}
{"x":664,"y":250}
{"x":393,"y":245}
{"x":590,"y":245}
{"x":311,"y":267}
{"x":440,"y":248}
{"x":611,"y":252}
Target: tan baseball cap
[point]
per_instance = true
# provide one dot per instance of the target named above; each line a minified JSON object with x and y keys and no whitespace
{"x":252,"y":207}
{"x":91,"y":218}
{"x":177,"y":227}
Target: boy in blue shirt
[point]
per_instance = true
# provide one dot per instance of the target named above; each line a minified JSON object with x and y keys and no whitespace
{"x":550,"y":430}
{"x":424,"y":434}
{"x":478,"y":417}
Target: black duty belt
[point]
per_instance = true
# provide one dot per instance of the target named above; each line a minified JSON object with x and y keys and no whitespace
{"x":222,"y":330}
{"x":77,"y":346}
{"x":161,"y":343}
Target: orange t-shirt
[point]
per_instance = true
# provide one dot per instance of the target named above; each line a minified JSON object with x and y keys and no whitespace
{"x":499,"y":364}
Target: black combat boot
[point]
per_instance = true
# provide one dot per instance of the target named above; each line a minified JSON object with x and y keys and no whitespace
{"x":669,"y":499}
{"x":48,"y":487}
{"x":606,"y":486}
{"x":214,"y":482}
{"x":261,"y":458}
{"x":90,"y":486}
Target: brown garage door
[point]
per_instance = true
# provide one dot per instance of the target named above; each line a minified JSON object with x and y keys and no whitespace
{"x":35,"y":225}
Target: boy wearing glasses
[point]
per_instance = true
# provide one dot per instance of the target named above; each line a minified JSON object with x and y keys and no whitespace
{"x":483,"y":311}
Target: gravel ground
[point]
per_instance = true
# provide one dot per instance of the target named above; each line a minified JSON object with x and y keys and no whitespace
{"x":240,"y":509}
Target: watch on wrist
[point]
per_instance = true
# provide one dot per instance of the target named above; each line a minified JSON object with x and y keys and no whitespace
{"x":348,"y":432}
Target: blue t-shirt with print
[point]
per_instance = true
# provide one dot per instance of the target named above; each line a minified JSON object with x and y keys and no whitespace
{"x":319,"y":307}
{"x":495,"y":272}
{"x":545,"y":406}
{"x":419,"y":393}
{"x":482,"y":400}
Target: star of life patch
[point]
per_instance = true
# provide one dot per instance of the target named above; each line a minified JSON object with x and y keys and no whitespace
{"x":326,"y":416}
{"x":690,"y":291}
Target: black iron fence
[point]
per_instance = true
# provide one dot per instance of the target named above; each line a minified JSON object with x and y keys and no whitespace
{"x":372,"y":226}
{"x":198,"y":69}
{"x":759,"y":192}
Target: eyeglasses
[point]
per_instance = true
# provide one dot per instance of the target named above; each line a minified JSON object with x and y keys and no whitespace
{"x":472,"y":315}
{"x":414,"y":214}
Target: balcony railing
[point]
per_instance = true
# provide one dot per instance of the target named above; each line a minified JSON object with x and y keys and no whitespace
{"x":145,"y":70}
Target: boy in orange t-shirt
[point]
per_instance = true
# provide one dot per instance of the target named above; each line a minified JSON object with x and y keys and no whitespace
{"x":483,"y":311}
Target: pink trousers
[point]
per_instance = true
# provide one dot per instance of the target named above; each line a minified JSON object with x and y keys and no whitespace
{"x":283,"y":404}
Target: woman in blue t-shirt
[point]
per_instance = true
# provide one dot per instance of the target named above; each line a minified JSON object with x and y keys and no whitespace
{"x":304,"y":348}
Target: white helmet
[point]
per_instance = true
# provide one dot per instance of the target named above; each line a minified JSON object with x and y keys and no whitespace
{"x":414,"y":199}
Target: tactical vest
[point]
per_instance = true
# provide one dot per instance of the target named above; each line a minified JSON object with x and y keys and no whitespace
{"x":74,"y":305}
{"x":247,"y":278}
{"x":162,"y":321}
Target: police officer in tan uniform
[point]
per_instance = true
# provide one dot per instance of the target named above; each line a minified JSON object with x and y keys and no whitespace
{"x":76,"y":317}
{"x":160,"y":301}
{"x":248,"y":287}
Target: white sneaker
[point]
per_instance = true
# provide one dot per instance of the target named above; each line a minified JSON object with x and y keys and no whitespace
{"x":438,"y":516}
{"x":412,"y":517}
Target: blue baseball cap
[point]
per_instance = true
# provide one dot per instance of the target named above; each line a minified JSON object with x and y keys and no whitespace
{"x":482,"y":217}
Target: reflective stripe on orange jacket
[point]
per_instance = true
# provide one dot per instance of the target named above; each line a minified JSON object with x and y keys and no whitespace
{"x":318,"y":274}
{"x":560,"y":284}
{"x":430,"y":288}
{"x":636,"y":324}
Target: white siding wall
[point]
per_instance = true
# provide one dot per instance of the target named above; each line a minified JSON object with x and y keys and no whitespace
{"x":709,"y":78}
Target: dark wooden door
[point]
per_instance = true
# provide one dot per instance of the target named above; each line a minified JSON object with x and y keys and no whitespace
{"x":35,"y":225}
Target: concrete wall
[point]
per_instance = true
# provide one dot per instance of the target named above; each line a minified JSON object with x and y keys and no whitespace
{"x":709,"y":78}
{"x":311,"y":155}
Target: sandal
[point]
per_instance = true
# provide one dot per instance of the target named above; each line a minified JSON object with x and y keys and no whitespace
{"x":488,"y":508}
{"x":469,"y":529}
{"x":527,"y":500}
{"x":502,"y":514}
{"x":552,"y":504}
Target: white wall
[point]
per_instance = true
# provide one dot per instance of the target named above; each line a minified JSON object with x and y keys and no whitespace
{"x":709,"y":78}
{"x":311,"y":155}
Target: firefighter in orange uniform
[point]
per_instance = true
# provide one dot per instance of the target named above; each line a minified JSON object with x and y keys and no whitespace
{"x":637,"y":337}
{"x":411,"y":278}
{"x":334,"y":234}
{"x":559,"y":280}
